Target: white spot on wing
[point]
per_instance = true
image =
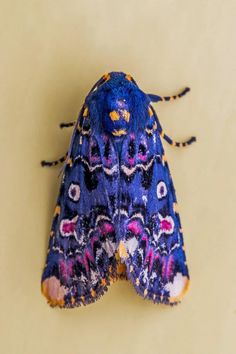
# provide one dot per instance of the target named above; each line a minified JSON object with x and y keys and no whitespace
{"x":161,"y":190}
{"x":131,"y":245}
{"x":178,"y":285}
{"x":74,"y":192}
{"x":109,"y":247}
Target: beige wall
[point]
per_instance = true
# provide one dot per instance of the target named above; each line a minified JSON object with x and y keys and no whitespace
{"x":51,"y":54}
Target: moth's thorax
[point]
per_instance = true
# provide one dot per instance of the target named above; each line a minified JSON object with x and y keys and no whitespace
{"x":120,"y":106}
{"x":116,"y":114}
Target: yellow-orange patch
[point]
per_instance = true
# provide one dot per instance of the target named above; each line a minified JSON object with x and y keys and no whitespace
{"x":122,"y":250}
{"x":119,"y":132}
{"x":114,"y":115}
{"x":93,"y":293}
{"x":128,"y":77}
{"x":106,"y":76}
{"x":57,"y":211}
{"x":150,"y":111}
{"x":85,"y":113}
{"x":126,"y":115}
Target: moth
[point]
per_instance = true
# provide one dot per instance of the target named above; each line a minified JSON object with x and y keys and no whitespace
{"x":116,"y":215}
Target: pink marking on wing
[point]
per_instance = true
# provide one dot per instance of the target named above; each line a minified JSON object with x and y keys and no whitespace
{"x":145,"y":238}
{"x":142,"y":157}
{"x":149,"y":258}
{"x":65,"y":268}
{"x":94,"y":158}
{"x":62,"y":268}
{"x":131,"y":161}
{"x":135,"y":227}
{"x":165,"y":225}
{"x":68,"y":227}
{"x":87,"y":257}
{"x":169,"y":266}
{"x":70,"y":267}
{"x":106,"y":228}
{"x":108,"y":161}
{"x":132,"y":136}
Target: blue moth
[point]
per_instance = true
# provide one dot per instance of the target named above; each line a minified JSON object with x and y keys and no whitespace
{"x":116,"y":215}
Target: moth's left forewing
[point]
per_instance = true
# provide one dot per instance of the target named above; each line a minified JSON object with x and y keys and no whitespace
{"x":82,"y":259}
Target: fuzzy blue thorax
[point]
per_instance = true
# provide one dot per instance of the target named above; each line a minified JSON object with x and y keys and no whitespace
{"x":117,"y":105}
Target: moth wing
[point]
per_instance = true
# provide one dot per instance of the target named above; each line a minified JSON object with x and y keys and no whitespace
{"x":151,"y":240}
{"x":81,"y":260}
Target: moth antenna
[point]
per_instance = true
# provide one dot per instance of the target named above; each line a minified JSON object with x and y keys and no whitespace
{"x":156,"y":98}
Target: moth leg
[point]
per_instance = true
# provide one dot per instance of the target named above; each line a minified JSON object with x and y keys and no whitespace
{"x":67,"y":125}
{"x":156,"y":98}
{"x":55,"y":162}
{"x":176,"y":143}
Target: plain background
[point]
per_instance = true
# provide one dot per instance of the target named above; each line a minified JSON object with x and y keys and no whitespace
{"x":52,"y":52}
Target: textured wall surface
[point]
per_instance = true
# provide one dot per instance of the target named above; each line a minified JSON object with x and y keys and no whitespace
{"x":51,"y":54}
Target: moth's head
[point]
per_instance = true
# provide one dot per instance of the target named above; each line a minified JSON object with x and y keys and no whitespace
{"x":119,"y":103}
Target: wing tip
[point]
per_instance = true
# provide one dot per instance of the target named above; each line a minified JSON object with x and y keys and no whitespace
{"x":176,"y":291}
{"x":55,"y":293}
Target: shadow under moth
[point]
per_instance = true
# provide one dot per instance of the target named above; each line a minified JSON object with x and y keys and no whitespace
{"x":116,"y":215}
